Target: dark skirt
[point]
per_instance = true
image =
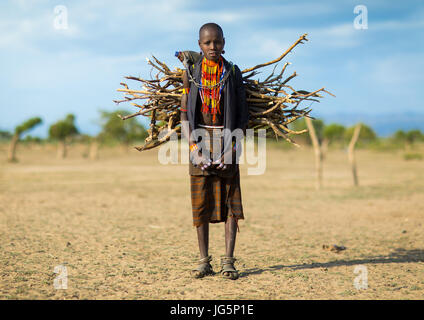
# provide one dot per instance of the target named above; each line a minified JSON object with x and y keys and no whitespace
{"x":213,"y":198}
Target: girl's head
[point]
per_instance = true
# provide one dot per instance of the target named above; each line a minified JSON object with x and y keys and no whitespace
{"x":211,"y":41}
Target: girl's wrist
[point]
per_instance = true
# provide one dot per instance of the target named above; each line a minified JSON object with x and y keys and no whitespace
{"x":193,"y":147}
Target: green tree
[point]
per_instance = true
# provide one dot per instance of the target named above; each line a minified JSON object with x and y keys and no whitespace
{"x":334,"y":132}
{"x":5,"y":135}
{"x":300,"y":124}
{"x":407,"y":139}
{"x":62,"y":132}
{"x":366,"y":135}
{"x":115,"y":129}
{"x":413,"y":136}
{"x":19,"y":130}
{"x":30,"y":139}
{"x":399,"y":136}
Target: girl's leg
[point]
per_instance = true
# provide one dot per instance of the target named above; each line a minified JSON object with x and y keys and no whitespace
{"x":227,"y":262}
{"x":204,"y":268}
{"x":203,"y":239}
{"x":230,"y":235}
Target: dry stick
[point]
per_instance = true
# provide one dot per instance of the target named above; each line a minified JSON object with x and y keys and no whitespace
{"x":280,"y":75}
{"x":266,"y":107}
{"x":267,"y":111}
{"x":138,"y":113}
{"x":158,"y":94}
{"x":154,"y":143}
{"x":292,"y":131}
{"x":289,"y":78}
{"x":278,"y":132}
{"x":301,"y":38}
{"x":318,"y":153}
{"x":351,"y":153}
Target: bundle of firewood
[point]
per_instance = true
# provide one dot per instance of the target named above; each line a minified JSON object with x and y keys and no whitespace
{"x":272,"y":103}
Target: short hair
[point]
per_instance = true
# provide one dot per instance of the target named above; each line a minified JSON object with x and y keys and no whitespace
{"x":211,"y":25}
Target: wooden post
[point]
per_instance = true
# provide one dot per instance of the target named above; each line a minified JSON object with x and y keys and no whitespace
{"x":351,"y":153}
{"x":317,"y":150}
{"x":61,"y":149}
{"x":324,"y":147}
{"x":11,"y":155}
{"x":94,"y":147}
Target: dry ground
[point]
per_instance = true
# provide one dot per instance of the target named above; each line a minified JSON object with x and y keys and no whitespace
{"x":122,"y":227}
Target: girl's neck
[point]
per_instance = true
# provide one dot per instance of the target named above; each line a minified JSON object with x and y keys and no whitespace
{"x":212,"y":62}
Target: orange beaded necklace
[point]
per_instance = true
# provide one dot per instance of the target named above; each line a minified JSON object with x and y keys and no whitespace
{"x":210,"y":91}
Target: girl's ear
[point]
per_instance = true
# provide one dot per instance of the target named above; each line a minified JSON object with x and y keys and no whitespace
{"x":201,"y":52}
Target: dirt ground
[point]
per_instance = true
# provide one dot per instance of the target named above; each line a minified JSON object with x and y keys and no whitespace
{"x":122,"y":227}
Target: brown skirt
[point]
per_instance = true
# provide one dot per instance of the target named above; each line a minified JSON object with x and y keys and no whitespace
{"x":213,"y":198}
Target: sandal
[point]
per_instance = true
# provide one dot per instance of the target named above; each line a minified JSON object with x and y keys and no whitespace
{"x":227,"y":268}
{"x":204,"y":268}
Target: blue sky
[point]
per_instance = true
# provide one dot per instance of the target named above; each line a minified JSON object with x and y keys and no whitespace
{"x":376,"y":73}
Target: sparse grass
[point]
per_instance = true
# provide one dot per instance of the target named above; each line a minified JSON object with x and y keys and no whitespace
{"x":413,"y":156}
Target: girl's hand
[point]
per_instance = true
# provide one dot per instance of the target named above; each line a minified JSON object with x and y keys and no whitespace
{"x":200,"y":160}
{"x":220,"y":165}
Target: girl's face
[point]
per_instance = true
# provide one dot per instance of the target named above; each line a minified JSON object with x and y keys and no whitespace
{"x":211,"y":43}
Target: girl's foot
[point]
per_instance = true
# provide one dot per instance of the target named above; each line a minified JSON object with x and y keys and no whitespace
{"x":227,"y":268}
{"x":204,"y":268}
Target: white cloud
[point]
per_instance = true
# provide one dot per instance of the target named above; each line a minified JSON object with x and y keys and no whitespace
{"x":273,"y":42}
{"x":25,"y":33}
{"x":396,"y":70}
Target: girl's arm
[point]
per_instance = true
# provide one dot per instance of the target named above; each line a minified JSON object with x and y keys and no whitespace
{"x":186,"y":130}
{"x":243,"y":111}
{"x":195,"y":156}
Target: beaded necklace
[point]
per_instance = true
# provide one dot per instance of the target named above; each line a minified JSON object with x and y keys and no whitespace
{"x":210,"y":91}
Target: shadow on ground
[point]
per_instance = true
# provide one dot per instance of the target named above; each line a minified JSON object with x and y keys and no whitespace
{"x":400,"y":255}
